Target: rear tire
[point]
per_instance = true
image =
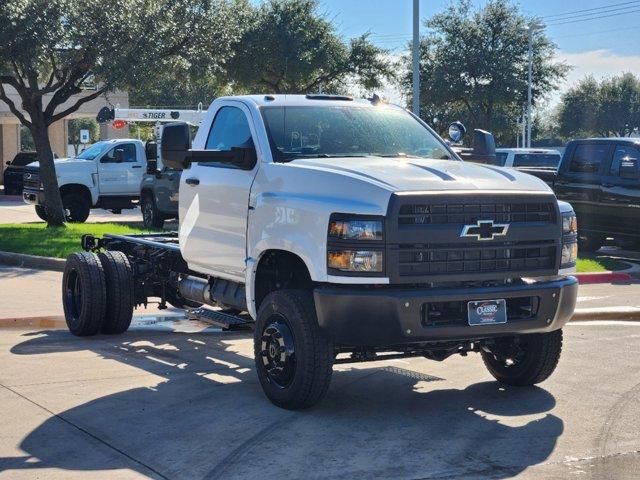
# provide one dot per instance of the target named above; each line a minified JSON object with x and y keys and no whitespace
{"x":120,"y":292}
{"x":524,"y":360}
{"x":41,"y":212}
{"x":84,"y":294}
{"x":76,"y":207}
{"x":293,"y":357}
{"x":151,"y":216}
{"x":590,"y":243}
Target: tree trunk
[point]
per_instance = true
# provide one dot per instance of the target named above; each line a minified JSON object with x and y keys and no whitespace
{"x":53,"y":201}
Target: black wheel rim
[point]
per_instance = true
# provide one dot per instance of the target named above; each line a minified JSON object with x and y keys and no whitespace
{"x":277,"y":350}
{"x":73,"y":297}
{"x":510,"y":355}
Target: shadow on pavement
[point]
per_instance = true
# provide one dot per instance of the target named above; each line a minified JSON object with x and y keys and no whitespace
{"x":203,"y":415}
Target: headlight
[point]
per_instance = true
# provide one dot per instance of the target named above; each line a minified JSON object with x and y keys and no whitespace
{"x":569,"y":223}
{"x":569,"y":255}
{"x":356,"y":229}
{"x":355,"y":260}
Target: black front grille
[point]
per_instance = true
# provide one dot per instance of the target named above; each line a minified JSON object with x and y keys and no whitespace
{"x":31,"y":179}
{"x":471,"y":258}
{"x":444,"y":214}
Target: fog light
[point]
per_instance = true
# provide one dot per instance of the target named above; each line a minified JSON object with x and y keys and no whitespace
{"x":356,"y":260}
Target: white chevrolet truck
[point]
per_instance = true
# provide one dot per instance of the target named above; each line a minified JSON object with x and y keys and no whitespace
{"x":106,"y":175}
{"x":341,"y":231}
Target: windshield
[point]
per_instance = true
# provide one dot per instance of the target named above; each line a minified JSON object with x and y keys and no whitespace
{"x":323,"y":131}
{"x":93,"y":151}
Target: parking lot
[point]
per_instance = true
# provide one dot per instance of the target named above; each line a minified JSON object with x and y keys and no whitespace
{"x":174,"y":399}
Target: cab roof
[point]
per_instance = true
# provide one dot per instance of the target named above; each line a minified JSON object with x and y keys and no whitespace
{"x":304,"y":100}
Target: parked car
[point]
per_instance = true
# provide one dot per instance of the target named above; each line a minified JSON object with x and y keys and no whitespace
{"x":350,"y":232}
{"x":14,"y":172}
{"x":600,"y":177}
{"x":106,"y":175}
{"x":524,"y":158}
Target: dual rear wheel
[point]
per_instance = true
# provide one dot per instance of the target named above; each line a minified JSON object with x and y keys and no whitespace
{"x":98,"y":293}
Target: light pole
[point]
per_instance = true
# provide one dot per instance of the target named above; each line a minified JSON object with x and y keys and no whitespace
{"x":416,"y":57}
{"x":531,"y":28}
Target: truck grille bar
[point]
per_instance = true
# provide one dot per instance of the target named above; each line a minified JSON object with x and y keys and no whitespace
{"x":426,"y":242}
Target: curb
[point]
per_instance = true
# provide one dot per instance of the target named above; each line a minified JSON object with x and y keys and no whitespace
{"x":610,"y":313}
{"x":56,"y":321}
{"x":32,"y":261}
{"x":603,"y":277}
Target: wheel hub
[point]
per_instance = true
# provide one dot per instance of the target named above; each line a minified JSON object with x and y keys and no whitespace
{"x":277,"y":350}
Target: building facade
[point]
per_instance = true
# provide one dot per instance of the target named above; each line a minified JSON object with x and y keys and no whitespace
{"x":10,"y":131}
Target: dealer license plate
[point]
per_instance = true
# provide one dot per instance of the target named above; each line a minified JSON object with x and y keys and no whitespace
{"x":487,"y":312}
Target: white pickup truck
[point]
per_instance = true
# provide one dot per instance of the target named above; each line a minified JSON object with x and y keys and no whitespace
{"x":348,"y":231}
{"x":106,"y":175}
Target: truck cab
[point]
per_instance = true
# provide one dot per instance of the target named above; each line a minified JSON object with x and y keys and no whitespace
{"x":600,"y":177}
{"x":348,"y":231}
{"x":106,"y":175}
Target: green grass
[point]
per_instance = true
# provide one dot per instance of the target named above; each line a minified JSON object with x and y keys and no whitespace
{"x":599,"y":264}
{"x":37,"y":239}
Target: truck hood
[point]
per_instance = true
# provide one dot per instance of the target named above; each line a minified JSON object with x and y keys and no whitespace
{"x":71,"y":164}
{"x":417,"y":174}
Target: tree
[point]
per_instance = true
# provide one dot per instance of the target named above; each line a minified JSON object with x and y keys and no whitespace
{"x":50,"y":49}
{"x":289,"y":47}
{"x":607,"y":108}
{"x":474,"y":63}
{"x":78,"y":124}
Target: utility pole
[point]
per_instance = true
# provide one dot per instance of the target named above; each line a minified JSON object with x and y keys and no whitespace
{"x":416,"y":57}
{"x":532,"y":28}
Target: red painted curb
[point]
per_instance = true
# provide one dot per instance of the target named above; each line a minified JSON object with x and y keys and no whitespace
{"x":603,"y":277}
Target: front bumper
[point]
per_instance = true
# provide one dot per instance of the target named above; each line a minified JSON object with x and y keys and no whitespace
{"x":391,"y":316}
{"x":33,"y":197}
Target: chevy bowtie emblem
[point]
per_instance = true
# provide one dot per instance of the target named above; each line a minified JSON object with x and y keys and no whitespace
{"x":485,"y":230}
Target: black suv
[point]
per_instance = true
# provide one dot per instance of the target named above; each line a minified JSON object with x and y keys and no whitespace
{"x":600,"y":177}
{"x":13,"y":173}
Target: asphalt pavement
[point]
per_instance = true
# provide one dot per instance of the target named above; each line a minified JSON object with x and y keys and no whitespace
{"x":179,"y":400}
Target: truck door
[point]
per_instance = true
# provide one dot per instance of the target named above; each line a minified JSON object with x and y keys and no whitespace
{"x":580,"y":181}
{"x":621,"y":192}
{"x":118,"y":170}
{"x":214,"y":199}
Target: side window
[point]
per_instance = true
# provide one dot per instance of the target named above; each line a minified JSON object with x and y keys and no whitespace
{"x":587,"y":158}
{"x":230,"y":129}
{"x":622,"y":154}
{"x":128,"y":154}
{"x":501,"y":158}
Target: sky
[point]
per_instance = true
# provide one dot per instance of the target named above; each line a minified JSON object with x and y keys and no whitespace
{"x":605,"y":42}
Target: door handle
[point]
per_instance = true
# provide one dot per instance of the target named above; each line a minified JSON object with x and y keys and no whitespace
{"x":192,"y":181}
{"x":137,"y":166}
{"x":607,"y":185}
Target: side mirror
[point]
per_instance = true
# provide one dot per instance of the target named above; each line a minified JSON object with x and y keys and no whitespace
{"x":629,"y":168}
{"x":152,"y":166}
{"x":8,"y":163}
{"x":175,"y":145}
{"x":151,"y":150}
{"x":118,"y":155}
{"x":244,"y":156}
{"x":457,"y":131}
{"x":484,"y":149}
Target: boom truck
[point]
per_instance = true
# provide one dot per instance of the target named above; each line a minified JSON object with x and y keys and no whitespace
{"x":341,"y":231}
{"x":158,"y":188}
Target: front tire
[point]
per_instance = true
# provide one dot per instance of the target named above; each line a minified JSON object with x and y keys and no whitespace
{"x":76,"y":207}
{"x":151,"y":216}
{"x":120,"y":292}
{"x":590,"y":243}
{"x":293,"y":357}
{"x":84,"y":294}
{"x":41,"y":212}
{"x":524,"y":360}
